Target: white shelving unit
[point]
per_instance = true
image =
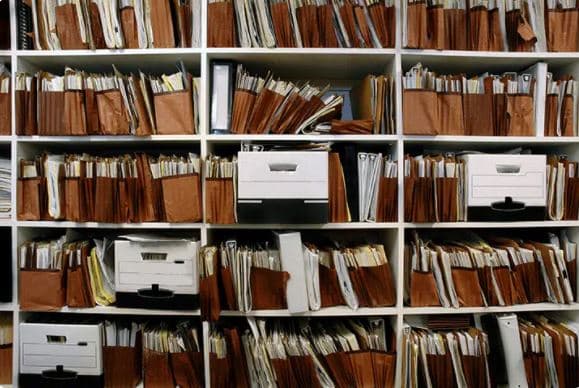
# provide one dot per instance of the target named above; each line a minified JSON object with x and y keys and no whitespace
{"x":343,"y":65}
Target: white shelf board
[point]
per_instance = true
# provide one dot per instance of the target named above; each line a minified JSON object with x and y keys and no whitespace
{"x":104,"y":225}
{"x":5,"y":222}
{"x":501,"y":225}
{"x":5,"y":307}
{"x":113,"y":310}
{"x":491,"y":309}
{"x":344,"y":225}
{"x":489,"y":54}
{"x":338,"y":311}
{"x":108,"y":139}
{"x":5,"y":139}
{"x":107,"y":52}
{"x":299,"y":51}
{"x":515,"y":140}
{"x":313,"y":138}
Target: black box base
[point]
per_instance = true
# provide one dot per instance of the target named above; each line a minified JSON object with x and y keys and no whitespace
{"x":282,"y":211}
{"x":176,"y":302}
{"x":485,"y":213}
{"x":36,"y":381}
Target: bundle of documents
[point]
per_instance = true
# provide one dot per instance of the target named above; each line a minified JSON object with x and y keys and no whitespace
{"x":377,"y":187}
{"x":81,"y":103}
{"x":484,"y":105}
{"x":457,"y":358}
{"x":497,"y":271}
{"x":434,"y":189}
{"x":481,"y":26}
{"x":561,"y":107}
{"x":245,"y":103}
{"x":561,"y":25}
{"x":538,"y":351}
{"x":292,"y":353}
{"x":5,"y":101}
{"x":562,"y":181}
{"x":220,"y":190}
{"x":6,"y":331}
{"x":289,"y":23}
{"x":442,"y":25}
{"x":126,"y":188}
{"x":251,"y":276}
{"x":373,"y":100}
{"x":121,"y":334}
{"x":172,"y":352}
{"x":350,"y":353}
{"x":358,"y":276}
{"x":58,"y":273}
{"x":122,"y":353}
{"x":525,"y":26}
{"x":267,"y":105}
{"x":112,"y":24}
{"x":297,"y":276}
{"x":227,"y":357}
{"x":5,"y":188}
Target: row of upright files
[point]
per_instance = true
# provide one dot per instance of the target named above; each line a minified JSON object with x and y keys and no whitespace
{"x":465,"y":270}
{"x":247,"y":277}
{"x":297,"y":272}
{"x":117,"y":24}
{"x":527,"y":350}
{"x":148,"y":188}
{"x":518,"y":26}
{"x":346,"y":185}
{"x":532,"y":102}
{"x":527,"y":25}
{"x":80,"y":103}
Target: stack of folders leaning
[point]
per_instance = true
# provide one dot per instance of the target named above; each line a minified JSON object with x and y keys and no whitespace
{"x":81,"y":103}
{"x":497,"y":271}
{"x":5,"y":188}
{"x":6,"y":348}
{"x":113,"y":24}
{"x":486,"y":105}
{"x":271,"y":353}
{"x":561,"y":105}
{"x":172,"y":355}
{"x":126,"y":188}
{"x":259,"y":277}
{"x":5,"y":104}
{"x":492,"y":25}
{"x":57,"y":273}
{"x":266,"y":105}
{"x":539,"y":351}
{"x":285,"y":23}
{"x":452,"y":356}
{"x":434,"y":189}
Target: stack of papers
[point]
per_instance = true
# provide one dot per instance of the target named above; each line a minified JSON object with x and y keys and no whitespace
{"x":469,"y":271}
{"x":297,"y":23}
